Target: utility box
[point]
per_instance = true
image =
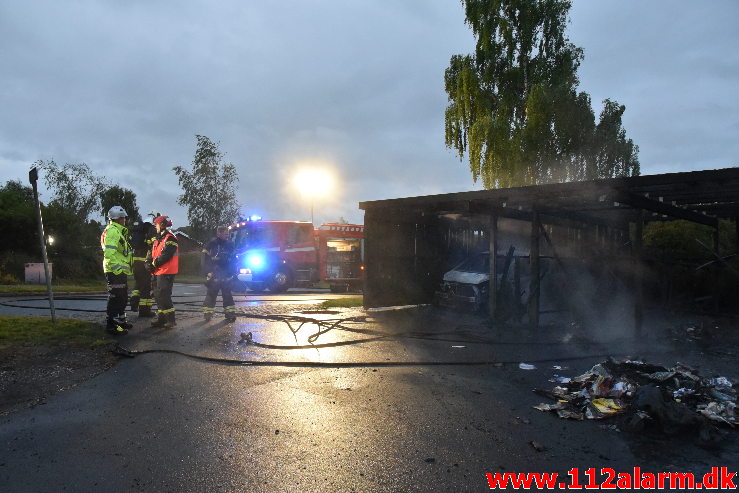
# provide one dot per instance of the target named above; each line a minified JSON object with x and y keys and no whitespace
{"x":35,"y":273}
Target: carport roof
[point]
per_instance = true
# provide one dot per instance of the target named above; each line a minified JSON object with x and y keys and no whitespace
{"x":698,"y":196}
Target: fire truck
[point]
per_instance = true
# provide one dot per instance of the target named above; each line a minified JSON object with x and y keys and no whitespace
{"x":278,"y":255}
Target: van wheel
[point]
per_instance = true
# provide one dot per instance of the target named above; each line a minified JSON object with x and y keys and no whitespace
{"x":281,"y":282}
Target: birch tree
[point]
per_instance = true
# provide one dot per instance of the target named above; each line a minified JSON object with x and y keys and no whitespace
{"x":208,"y":189}
{"x":514,"y":108}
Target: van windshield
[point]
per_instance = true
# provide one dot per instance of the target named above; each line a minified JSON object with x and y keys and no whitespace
{"x":479,"y":262}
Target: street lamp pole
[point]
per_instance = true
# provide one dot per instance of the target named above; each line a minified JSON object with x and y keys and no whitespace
{"x":33,"y":178}
{"x":312,"y":183}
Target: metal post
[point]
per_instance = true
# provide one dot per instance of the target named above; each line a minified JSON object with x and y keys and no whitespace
{"x":534,"y":281}
{"x":638,"y":274}
{"x":33,"y":178}
{"x":493,"y":283}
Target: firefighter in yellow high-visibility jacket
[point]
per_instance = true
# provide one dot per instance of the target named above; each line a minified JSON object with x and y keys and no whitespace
{"x":117,"y":258}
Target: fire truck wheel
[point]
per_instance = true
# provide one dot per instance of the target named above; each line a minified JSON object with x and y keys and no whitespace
{"x":280,"y":282}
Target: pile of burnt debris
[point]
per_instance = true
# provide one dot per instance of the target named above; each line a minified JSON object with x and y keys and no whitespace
{"x":645,"y":396}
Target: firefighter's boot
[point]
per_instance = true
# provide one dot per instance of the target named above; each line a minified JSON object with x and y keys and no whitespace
{"x":114,"y":328}
{"x":145,"y":312}
{"x":230,"y":313}
{"x":135,"y":299}
{"x":121,"y":320}
{"x":160,"y":321}
{"x":170,"y":322}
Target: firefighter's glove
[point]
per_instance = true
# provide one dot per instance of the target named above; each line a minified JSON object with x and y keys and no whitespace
{"x":148,"y":265}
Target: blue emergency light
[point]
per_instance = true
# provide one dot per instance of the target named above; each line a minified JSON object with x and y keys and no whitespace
{"x":255,"y":261}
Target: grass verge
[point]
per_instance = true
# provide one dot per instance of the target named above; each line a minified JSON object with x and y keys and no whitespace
{"x":33,"y":331}
{"x":348,"y":302}
{"x":72,"y":287}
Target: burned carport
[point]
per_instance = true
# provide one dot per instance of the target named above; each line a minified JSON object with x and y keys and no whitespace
{"x":411,"y":242}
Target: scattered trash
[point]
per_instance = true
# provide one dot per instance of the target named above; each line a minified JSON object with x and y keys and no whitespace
{"x":717,"y":412}
{"x":720,"y":383}
{"x":246,"y":338}
{"x":645,"y":394}
{"x":526,"y":366}
{"x":682,"y":391}
{"x":430,"y":460}
{"x":606,"y":406}
{"x":459,"y":346}
{"x":567,"y":414}
{"x":559,"y":379}
{"x":550,"y":407}
{"x":537,"y":446}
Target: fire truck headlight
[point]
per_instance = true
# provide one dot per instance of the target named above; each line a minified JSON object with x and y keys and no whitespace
{"x":255,"y":261}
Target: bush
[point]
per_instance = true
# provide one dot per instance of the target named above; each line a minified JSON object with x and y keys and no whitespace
{"x":8,"y":279}
{"x":86,"y":265}
{"x":13,"y":265}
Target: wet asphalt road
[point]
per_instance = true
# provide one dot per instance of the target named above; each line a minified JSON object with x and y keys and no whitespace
{"x":436,"y":421}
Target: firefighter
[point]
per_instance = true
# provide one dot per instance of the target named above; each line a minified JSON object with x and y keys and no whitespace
{"x":164,"y":264}
{"x":217,"y":265}
{"x":117,"y":259}
{"x":142,"y":237}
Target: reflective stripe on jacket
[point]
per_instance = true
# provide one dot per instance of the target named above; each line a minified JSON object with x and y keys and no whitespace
{"x":165,"y":254}
{"x":117,"y":255}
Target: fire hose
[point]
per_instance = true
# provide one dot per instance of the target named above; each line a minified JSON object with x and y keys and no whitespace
{"x":295,"y":323}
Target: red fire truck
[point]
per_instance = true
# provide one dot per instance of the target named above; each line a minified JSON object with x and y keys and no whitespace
{"x":278,"y":255}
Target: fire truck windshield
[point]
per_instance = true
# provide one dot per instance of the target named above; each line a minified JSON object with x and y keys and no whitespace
{"x":254,"y":236}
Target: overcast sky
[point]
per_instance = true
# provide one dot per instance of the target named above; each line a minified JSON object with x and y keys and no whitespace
{"x":352,"y":85}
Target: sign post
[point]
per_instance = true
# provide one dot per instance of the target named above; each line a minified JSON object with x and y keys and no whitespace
{"x":33,"y":178}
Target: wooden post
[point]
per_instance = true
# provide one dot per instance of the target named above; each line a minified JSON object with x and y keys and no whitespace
{"x":517,"y":289}
{"x":493,"y":284}
{"x":372,"y":262}
{"x":717,"y":270}
{"x":638,"y":274}
{"x":534,"y":281}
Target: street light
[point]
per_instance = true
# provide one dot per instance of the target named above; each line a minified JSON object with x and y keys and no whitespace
{"x":313,"y":183}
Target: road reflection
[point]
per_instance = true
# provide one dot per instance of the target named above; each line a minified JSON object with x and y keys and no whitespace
{"x":296,"y":337}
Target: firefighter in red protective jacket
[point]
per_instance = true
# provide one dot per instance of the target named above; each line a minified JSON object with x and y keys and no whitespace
{"x":164,"y":264}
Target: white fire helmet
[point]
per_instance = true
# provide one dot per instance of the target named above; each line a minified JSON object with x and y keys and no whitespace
{"x":116,"y":212}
